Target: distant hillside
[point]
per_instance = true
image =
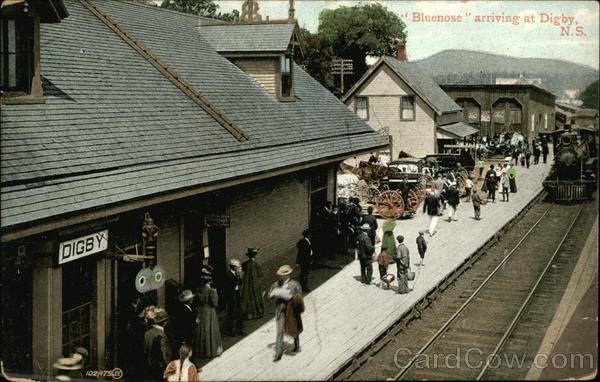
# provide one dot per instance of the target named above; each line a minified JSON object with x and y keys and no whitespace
{"x":465,"y":66}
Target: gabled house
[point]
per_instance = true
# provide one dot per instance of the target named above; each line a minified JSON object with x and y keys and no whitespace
{"x":138,"y":115}
{"x":402,"y":102}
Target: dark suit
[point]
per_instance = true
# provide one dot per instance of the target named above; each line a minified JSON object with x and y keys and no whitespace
{"x":185,"y":323}
{"x":365,"y":256}
{"x":233,"y":298}
{"x":157,"y":350}
{"x":304,"y":259}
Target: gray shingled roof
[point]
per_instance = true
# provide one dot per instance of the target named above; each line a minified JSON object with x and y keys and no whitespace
{"x":424,"y":85}
{"x":248,"y":37}
{"x":114,"y":129}
{"x":459,"y":129}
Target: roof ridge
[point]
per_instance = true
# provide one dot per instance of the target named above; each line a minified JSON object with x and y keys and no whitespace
{"x":169,"y":74}
{"x":158,"y":7}
{"x":251,"y":22}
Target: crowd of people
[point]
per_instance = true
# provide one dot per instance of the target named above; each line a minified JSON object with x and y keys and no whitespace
{"x":171,"y":342}
{"x":166,"y":345}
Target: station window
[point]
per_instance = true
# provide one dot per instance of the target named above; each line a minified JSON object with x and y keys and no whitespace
{"x":16,"y":55}
{"x":407,"y":108}
{"x":361,"y":107}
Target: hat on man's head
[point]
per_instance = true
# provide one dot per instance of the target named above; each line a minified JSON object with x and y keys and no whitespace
{"x":186,"y":295}
{"x":284,"y":270}
{"x":69,"y":363}
{"x":234,"y":263}
{"x":422,"y":232}
{"x":251,"y":252}
{"x":161,"y":316}
{"x":400,"y":238}
{"x":365,"y":226}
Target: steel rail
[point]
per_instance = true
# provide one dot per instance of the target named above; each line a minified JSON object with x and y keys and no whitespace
{"x":468,"y":301}
{"x":525,"y":304}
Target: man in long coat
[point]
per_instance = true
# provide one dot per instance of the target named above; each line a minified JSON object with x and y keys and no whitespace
{"x":185,"y":319}
{"x":365,"y":255}
{"x":304,"y":258}
{"x":453,"y":198}
{"x":157,"y":347}
{"x":491,"y":182}
{"x":431,"y":206}
{"x":282,"y":292}
{"x":233,"y":299}
{"x":252,"y":289}
{"x":372,"y":222}
{"x":403,"y":265}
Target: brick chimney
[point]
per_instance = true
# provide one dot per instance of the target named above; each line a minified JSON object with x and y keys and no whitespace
{"x":401,"y":51}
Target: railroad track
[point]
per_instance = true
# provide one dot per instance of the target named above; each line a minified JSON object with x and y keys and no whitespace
{"x":470,"y":344}
{"x":499,"y":306}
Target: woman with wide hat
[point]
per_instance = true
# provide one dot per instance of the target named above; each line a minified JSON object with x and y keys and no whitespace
{"x":208,"y":335}
{"x":252,"y":288}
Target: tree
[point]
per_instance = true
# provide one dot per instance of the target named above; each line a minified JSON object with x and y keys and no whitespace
{"x":317,"y":58}
{"x":206,"y":8}
{"x":358,"y":31}
{"x":590,"y":96}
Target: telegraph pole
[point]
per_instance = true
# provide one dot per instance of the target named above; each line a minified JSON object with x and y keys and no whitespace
{"x":342,"y":66}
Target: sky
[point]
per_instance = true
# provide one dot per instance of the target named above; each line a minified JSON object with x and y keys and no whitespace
{"x":567,"y":30}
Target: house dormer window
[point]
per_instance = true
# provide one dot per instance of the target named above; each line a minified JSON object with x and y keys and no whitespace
{"x":16,"y":55}
{"x":286,"y":76}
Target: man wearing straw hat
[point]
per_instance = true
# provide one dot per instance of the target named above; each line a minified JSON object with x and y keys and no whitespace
{"x":283,"y":292}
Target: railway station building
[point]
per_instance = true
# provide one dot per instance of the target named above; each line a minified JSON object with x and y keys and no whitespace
{"x":496,"y":109}
{"x":403,"y":103}
{"x":126,"y":111}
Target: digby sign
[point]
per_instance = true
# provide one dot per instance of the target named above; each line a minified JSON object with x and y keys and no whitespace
{"x":82,"y":246}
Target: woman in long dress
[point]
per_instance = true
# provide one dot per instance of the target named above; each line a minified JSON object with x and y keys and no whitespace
{"x":208,"y":334}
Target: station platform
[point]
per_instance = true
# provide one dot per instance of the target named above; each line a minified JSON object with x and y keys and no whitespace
{"x":343,"y":316}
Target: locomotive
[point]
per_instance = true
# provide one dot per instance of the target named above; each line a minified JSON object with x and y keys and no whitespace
{"x":574,"y":172}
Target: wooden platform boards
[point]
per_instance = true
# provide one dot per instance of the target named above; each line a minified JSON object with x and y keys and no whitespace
{"x":342,"y":315}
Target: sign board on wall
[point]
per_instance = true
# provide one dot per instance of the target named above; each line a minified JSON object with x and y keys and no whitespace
{"x":485,"y":116}
{"x":80,"y":247}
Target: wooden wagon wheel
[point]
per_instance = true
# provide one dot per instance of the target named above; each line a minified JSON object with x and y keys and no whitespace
{"x":413,"y":201}
{"x":372,"y":194}
{"x":420,"y":191}
{"x":390,"y":205}
{"x":427,"y":181}
{"x":470,"y":171}
{"x":462,"y":185}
